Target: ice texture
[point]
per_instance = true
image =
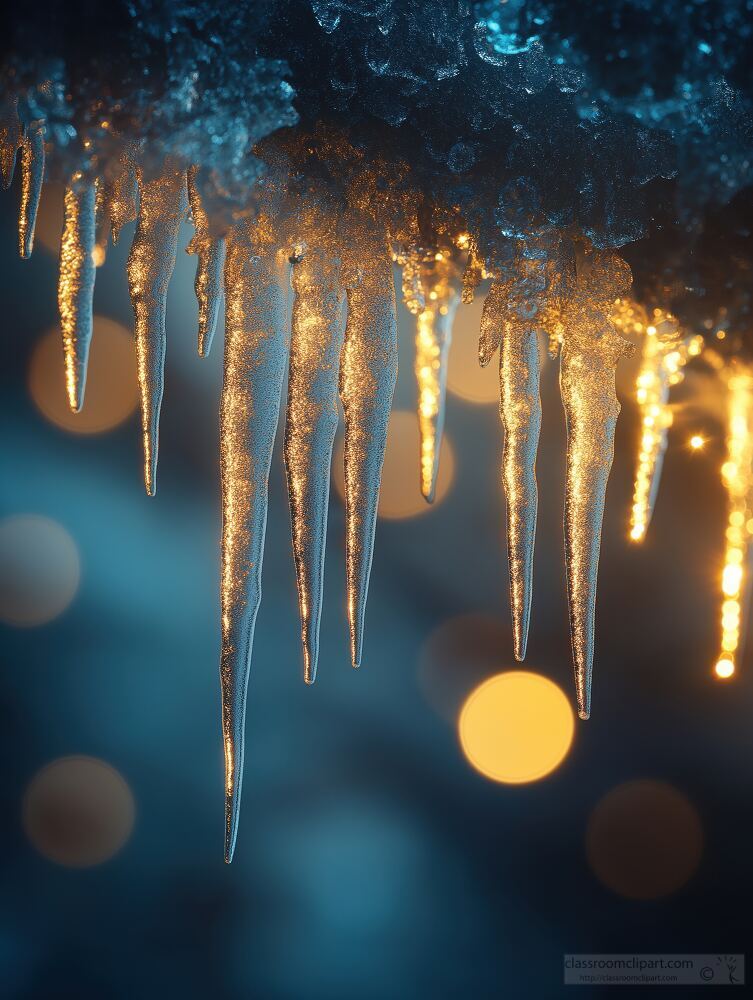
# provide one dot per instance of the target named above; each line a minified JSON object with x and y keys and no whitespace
{"x":312,"y":416}
{"x":76,"y":284}
{"x":32,"y":178}
{"x":368,"y":372}
{"x":163,"y":204}
{"x":256,"y":354}
{"x":518,"y":140}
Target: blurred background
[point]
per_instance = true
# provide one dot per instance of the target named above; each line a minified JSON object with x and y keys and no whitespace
{"x":421,"y":827}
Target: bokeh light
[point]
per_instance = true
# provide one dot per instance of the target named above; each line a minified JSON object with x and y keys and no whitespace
{"x":465,"y":376}
{"x":724,"y":668}
{"x":111,"y":387}
{"x":39,"y":570}
{"x":457,"y":656}
{"x":644,"y":839}
{"x":78,"y":811}
{"x":516,"y":727}
{"x":400,"y":496}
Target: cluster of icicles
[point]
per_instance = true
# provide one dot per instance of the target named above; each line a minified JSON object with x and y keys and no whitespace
{"x":342,"y":341}
{"x":666,"y":351}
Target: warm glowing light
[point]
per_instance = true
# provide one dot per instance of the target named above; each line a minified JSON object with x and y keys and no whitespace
{"x":724,"y":668}
{"x":516,"y":727}
{"x":737,"y":478}
{"x":665,"y":353}
{"x":431,"y":281}
{"x":697,"y":442}
{"x":466,"y":379}
{"x":428,"y":352}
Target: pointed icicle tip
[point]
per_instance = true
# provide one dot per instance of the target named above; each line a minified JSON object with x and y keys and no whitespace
{"x":150,"y":266}
{"x":587,"y":385}
{"x":210,"y":250}
{"x":232,"y":801}
{"x":32,"y":179}
{"x":312,"y":417}
{"x":256,"y":352}
{"x":520,"y":409}
{"x":368,"y":373}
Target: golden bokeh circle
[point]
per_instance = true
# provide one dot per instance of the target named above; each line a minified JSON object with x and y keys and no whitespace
{"x":111,"y":385}
{"x":400,"y":495}
{"x":78,"y":811}
{"x":644,"y":839}
{"x":516,"y":727}
{"x":465,"y":376}
{"x":40,"y":570}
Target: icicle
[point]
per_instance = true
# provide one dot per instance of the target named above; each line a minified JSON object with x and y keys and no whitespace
{"x":123,"y":196}
{"x":102,"y":223}
{"x":368,"y":372}
{"x":211,"y":254}
{"x":587,"y":385}
{"x":664,"y":356}
{"x":10,"y":139}
{"x":76,"y":284}
{"x":520,"y":408}
{"x":150,"y":267}
{"x":737,"y":477}
{"x":492,"y":321}
{"x":32,"y":178}
{"x":433,"y":338}
{"x":256,"y":351}
{"x":312,"y":416}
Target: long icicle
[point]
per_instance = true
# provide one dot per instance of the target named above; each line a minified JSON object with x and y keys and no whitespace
{"x":520,"y":409}
{"x":312,"y":417}
{"x":76,"y":284}
{"x":150,"y":266}
{"x":368,"y":373}
{"x":589,"y":395}
{"x":32,"y":178}
{"x":256,"y":352}
{"x":433,"y":339}
{"x":211,"y":260}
